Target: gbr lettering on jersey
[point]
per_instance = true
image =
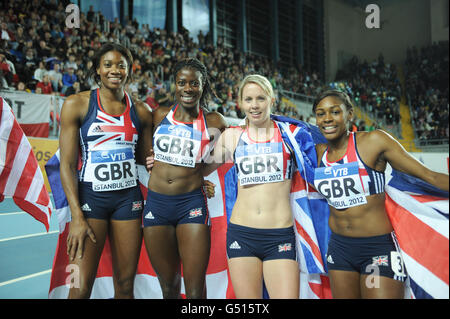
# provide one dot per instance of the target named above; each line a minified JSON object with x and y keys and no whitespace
{"x":108,"y":147}
{"x":177,"y":144}
{"x":112,"y":169}
{"x":341,"y":185}
{"x":259,"y":163}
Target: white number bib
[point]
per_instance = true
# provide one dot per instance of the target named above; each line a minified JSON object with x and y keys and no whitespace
{"x":111,"y":170}
{"x":259,"y":163}
{"x":341,"y":185}
{"x":177,"y":145}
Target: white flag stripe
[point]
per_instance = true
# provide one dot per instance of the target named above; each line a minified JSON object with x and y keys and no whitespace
{"x":6,"y":124}
{"x":427,"y":215}
{"x":20,"y":160}
{"x":440,"y":205}
{"x":432,"y":284}
{"x":36,"y":186}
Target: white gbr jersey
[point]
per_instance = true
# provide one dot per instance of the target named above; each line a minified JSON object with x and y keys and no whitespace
{"x":108,"y":145}
{"x":180,"y":143}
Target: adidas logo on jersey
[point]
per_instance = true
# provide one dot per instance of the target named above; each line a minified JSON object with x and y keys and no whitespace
{"x":97,"y":129}
{"x":86,"y":208}
{"x":235,"y":245}
{"x":149,"y":215}
{"x":330,"y":259}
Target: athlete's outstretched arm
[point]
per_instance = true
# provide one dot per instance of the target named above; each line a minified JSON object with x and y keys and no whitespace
{"x":394,"y":153}
{"x":69,"y":145}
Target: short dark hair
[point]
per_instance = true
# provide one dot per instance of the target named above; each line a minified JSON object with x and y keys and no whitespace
{"x":195,"y":64}
{"x":344,"y":97}
{"x":105,"y":48}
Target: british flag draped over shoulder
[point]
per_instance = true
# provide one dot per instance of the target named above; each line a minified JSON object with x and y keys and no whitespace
{"x":427,"y":279}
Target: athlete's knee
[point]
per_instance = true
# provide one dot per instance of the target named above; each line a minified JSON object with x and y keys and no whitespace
{"x":124,"y":287}
{"x":81,"y":292}
{"x":195,"y":293}
{"x":170,"y":289}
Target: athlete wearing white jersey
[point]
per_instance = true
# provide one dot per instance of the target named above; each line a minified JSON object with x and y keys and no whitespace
{"x":260,"y":235}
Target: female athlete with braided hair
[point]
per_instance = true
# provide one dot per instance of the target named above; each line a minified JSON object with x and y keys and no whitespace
{"x":176,"y":217}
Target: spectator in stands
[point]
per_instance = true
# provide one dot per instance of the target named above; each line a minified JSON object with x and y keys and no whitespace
{"x":22,"y":87}
{"x":43,"y":50}
{"x":20,"y":39}
{"x":74,"y":89}
{"x":6,"y":34}
{"x":150,"y":100}
{"x":45,"y":85}
{"x":162,"y":97}
{"x":55,"y":77}
{"x":40,"y":71}
{"x":6,"y":75}
{"x":71,"y":63}
{"x":68,"y":79}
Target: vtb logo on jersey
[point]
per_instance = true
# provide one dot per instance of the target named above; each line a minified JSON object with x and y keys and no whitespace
{"x":108,"y":127}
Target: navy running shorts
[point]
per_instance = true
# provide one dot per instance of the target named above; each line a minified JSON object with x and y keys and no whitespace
{"x":188,"y":208}
{"x":377,"y":255}
{"x":124,"y":204}
{"x":265,"y":244}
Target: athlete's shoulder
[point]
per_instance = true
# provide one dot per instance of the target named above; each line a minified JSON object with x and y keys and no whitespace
{"x":159,"y":114}
{"x":77,"y":104}
{"x":374,"y":137}
{"x":78,"y":98}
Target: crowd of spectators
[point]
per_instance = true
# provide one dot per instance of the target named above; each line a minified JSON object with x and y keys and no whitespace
{"x":374,"y":86}
{"x":426,"y":81}
{"x":38,"y":53}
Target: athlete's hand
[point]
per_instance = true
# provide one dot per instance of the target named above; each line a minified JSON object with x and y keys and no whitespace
{"x":78,"y":230}
{"x":150,"y":161}
{"x":209,"y":188}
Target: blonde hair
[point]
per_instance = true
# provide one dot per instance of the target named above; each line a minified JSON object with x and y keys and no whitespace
{"x":260,"y":80}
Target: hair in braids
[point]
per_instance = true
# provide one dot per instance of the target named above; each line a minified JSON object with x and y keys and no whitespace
{"x":195,"y":64}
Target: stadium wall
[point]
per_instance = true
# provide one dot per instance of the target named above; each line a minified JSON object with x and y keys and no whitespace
{"x":403,"y":24}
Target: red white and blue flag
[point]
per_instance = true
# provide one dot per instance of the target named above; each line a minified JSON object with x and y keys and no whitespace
{"x":419,"y":214}
{"x":20,"y":175}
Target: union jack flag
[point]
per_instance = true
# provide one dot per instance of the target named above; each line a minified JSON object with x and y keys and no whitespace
{"x":195,"y":212}
{"x":380,"y":260}
{"x":284,"y":247}
{"x":108,"y":127}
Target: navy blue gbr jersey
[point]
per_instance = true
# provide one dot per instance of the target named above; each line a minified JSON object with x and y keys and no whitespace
{"x":108,"y":144}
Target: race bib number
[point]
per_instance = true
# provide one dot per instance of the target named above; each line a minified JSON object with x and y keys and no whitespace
{"x":177,"y":145}
{"x":397,"y":265}
{"x":112,"y":170}
{"x":340,"y":185}
{"x":259,"y":163}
